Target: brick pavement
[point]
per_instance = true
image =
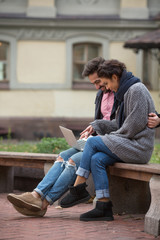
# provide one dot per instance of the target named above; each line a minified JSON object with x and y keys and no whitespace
{"x":64,"y":224}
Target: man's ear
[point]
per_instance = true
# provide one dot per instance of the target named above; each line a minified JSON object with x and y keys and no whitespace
{"x":115,"y":77}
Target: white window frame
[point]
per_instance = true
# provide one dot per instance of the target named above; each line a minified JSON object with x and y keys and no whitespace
{"x":11,"y":68}
{"x":78,"y":40}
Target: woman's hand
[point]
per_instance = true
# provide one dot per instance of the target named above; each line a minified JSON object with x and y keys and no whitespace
{"x":87,"y":132}
{"x":153,"y":120}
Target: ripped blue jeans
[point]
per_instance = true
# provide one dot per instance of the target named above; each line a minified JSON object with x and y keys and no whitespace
{"x":60,"y":176}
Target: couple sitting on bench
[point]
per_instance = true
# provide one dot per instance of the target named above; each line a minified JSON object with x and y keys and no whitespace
{"x":128,"y":138}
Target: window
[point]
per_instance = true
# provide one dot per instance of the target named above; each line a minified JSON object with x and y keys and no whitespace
{"x":80,"y":49}
{"x":82,"y":53}
{"x":4,"y":49}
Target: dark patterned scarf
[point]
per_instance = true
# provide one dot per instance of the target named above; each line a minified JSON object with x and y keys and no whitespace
{"x":126,"y":81}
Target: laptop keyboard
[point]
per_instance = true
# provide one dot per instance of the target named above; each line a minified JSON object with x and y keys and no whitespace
{"x":81,"y":143}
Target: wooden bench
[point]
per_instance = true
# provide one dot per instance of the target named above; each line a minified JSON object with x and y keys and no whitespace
{"x":144,"y":172}
{"x":9,"y":160}
{"x":148,"y":173}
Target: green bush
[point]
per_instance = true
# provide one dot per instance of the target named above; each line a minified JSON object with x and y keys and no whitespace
{"x":9,"y":146}
{"x":46,"y":145}
{"x":52,"y":145}
{"x":156,"y":154}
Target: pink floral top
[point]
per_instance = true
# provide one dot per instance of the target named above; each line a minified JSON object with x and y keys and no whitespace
{"x":107,"y":104}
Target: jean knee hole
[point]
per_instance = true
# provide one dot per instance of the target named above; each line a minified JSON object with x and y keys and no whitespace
{"x":70,"y":165}
{"x":59,"y":159}
{"x":71,"y":162}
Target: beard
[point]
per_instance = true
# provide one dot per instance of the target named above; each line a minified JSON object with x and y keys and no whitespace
{"x":105,"y":90}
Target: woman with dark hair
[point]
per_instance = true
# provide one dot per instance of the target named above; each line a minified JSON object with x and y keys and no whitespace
{"x":126,"y":139}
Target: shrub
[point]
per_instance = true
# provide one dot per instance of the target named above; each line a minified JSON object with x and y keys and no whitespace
{"x":52,"y":145}
{"x":156,"y":154}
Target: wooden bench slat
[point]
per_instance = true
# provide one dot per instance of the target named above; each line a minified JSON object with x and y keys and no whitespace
{"x":125,"y":173}
{"x":22,"y":163}
{"x":148,"y":168}
{"x":29,"y":160}
{"x":28,"y":155}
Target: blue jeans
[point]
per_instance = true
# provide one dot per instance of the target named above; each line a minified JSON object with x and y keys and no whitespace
{"x":60,"y":176}
{"x":96,"y":157}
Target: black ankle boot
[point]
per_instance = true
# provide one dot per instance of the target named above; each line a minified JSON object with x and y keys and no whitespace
{"x":77,"y":194}
{"x":102,"y":212}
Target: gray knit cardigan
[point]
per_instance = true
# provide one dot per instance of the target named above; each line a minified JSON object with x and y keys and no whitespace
{"x":134,"y":141}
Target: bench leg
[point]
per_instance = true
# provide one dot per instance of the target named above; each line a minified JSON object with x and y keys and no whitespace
{"x":152,"y":217}
{"x":6,"y":179}
{"x":47,"y":166}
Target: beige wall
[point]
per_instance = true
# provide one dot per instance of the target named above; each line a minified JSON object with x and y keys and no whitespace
{"x":52,"y":103}
{"x":74,"y":103}
{"x":117,"y":51}
{"x":26,"y":103}
{"x":156,"y":99}
{"x":133,"y":3}
{"x":41,"y":62}
{"x":47,"y":103}
{"x":40,"y":3}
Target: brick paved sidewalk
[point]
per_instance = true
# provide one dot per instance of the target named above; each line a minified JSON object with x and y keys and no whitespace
{"x":64,"y":224}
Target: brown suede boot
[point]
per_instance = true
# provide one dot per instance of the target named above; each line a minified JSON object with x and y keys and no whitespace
{"x":25,"y":200}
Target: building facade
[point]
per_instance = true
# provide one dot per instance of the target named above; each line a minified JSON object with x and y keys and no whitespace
{"x":44,"y":45}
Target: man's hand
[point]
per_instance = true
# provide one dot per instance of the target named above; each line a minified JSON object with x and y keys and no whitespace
{"x":153,"y":120}
{"x":87,"y":132}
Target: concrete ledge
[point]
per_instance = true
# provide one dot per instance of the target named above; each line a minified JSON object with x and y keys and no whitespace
{"x":134,"y":13}
{"x":42,"y":12}
{"x":152,"y":218}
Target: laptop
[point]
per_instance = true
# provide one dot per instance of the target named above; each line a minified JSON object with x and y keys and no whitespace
{"x":71,"y":139}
